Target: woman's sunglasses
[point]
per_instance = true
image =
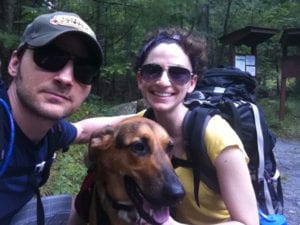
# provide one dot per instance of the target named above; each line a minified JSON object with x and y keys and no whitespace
{"x":176,"y":74}
{"x":53,"y":59}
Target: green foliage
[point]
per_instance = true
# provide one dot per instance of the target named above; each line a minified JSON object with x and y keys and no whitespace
{"x":121,"y":26}
{"x":67,"y":172}
{"x":289,"y":127}
{"x":114,"y":70}
{"x":8,"y":40}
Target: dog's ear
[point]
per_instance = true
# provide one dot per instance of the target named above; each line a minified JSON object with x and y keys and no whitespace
{"x":100,"y":140}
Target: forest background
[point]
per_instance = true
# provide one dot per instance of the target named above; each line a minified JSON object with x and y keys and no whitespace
{"x":120,"y":26}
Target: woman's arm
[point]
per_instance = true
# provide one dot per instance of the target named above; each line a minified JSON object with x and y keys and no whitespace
{"x":236,"y":187}
{"x":87,"y":126}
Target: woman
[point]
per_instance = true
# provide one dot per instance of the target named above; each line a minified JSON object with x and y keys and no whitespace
{"x":167,"y":68}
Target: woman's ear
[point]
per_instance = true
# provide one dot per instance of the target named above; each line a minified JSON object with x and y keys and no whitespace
{"x":193,"y":83}
{"x":139,"y":79}
{"x":13,"y":65}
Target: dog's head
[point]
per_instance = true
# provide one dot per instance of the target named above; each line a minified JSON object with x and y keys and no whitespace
{"x":132,"y":162}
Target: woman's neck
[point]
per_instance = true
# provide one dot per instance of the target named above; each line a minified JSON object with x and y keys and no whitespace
{"x":172,"y":121}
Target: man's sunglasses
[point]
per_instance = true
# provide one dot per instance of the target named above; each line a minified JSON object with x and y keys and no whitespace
{"x":176,"y":74}
{"x":53,"y":59}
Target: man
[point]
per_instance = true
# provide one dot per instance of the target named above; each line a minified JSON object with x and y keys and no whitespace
{"x":52,"y":71}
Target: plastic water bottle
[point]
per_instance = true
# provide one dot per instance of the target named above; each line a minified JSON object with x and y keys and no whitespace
{"x":271,"y":219}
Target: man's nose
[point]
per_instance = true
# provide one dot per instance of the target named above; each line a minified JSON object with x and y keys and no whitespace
{"x":66,"y":74}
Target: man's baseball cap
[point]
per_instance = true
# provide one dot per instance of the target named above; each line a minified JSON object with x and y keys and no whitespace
{"x":46,"y":27}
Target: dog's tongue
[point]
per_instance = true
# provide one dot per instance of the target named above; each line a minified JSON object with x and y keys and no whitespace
{"x":159,"y":214}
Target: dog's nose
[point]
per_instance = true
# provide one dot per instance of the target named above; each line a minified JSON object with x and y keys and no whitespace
{"x":173,"y":193}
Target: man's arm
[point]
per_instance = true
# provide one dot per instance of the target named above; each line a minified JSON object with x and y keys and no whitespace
{"x":87,"y":126}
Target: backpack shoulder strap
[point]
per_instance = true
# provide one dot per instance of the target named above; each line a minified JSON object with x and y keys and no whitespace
{"x":229,"y":112}
{"x":40,"y":213}
{"x":49,"y":160}
{"x":149,"y":114}
{"x":261,"y":163}
{"x":194,"y":126}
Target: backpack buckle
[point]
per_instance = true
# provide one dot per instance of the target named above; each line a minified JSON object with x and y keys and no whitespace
{"x":40,"y":167}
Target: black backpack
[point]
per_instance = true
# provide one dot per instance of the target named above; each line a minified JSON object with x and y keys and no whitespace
{"x":230,"y":92}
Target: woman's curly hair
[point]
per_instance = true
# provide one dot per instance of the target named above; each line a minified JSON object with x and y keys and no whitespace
{"x":193,"y":45}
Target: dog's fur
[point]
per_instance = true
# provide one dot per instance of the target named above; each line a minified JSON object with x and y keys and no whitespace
{"x":134,"y":174}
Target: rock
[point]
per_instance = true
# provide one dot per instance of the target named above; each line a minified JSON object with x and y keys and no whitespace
{"x":129,"y":107}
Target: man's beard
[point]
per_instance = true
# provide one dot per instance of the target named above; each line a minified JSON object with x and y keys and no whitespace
{"x":25,"y":98}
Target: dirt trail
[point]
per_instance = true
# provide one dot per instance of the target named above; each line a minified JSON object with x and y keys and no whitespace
{"x":287,"y":153}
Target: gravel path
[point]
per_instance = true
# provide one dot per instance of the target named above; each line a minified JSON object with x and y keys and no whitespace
{"x":287,"y":153}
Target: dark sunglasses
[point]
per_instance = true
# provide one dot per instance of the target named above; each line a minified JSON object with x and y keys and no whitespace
{"x":176,"y":74}
{"x":53,"y":59}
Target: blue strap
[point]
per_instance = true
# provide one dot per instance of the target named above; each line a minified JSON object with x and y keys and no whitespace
{"x":6,"y":156}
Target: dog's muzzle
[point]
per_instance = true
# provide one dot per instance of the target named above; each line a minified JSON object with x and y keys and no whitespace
{"x":154,"y":211}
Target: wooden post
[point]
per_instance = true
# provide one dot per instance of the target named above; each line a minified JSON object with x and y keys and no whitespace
{"x":282,"y":98}
{"x":290,"y":67}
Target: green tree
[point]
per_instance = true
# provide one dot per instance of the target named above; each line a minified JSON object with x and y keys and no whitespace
{"x":120,"y":26}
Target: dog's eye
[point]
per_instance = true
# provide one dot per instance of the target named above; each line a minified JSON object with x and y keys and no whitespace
{"x":140,"y":147}
{"x":170,"y":147}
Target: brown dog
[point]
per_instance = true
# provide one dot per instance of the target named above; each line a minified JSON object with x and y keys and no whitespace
{"x":135,"y":181}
